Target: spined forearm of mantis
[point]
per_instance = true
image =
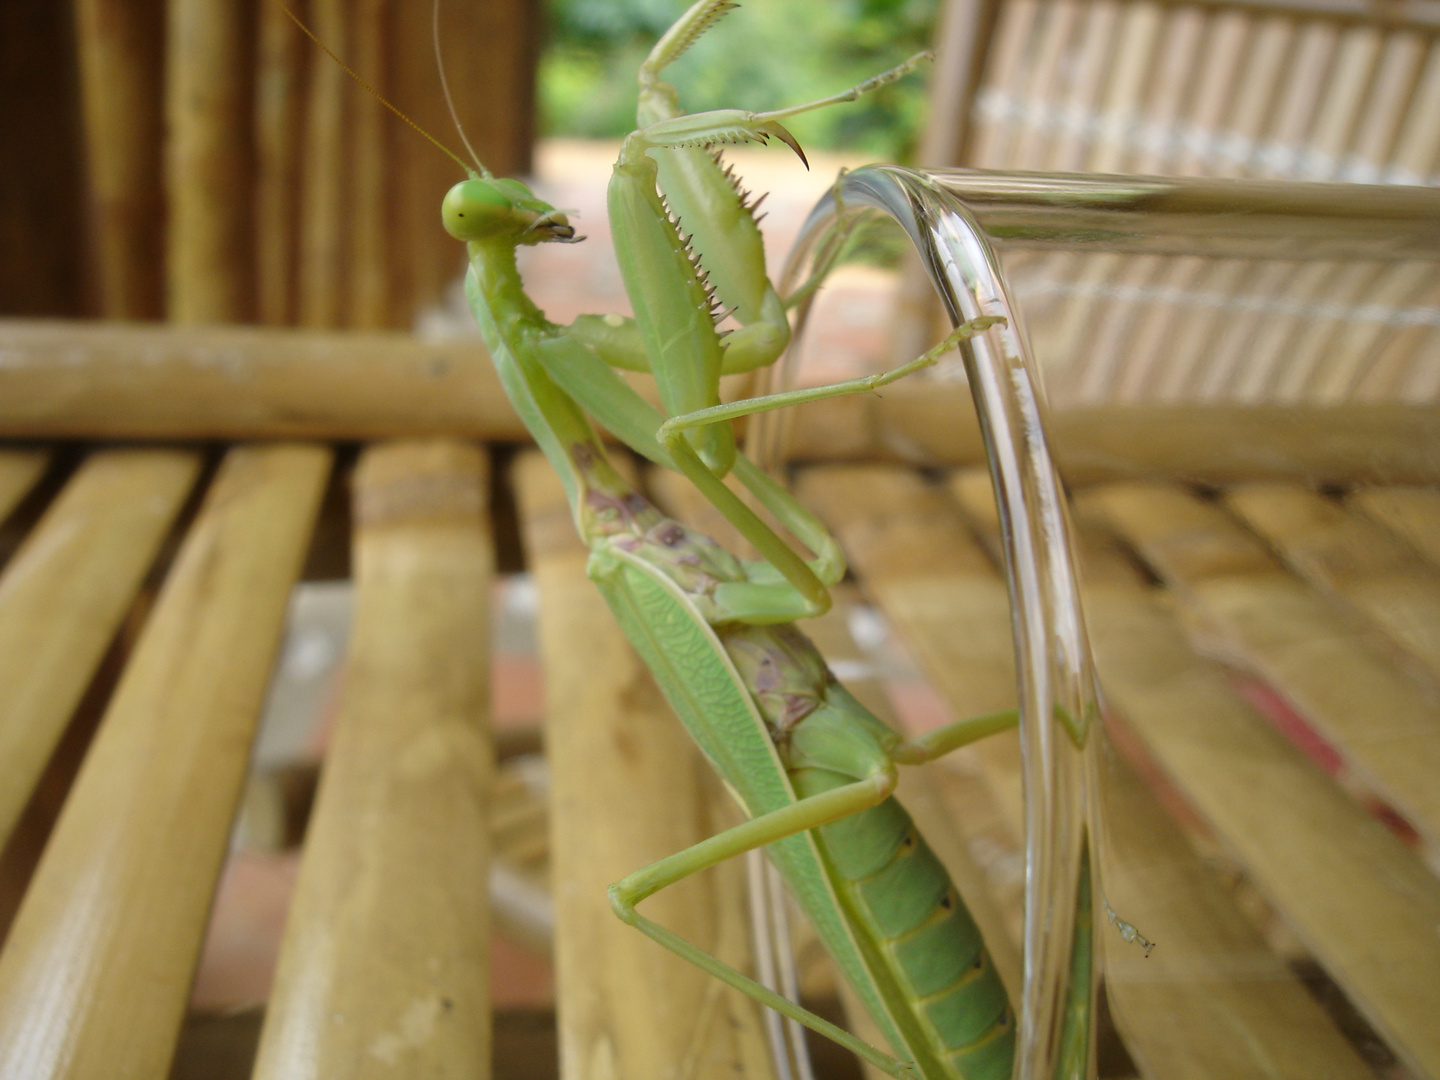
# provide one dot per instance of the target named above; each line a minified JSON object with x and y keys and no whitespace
{"x":811,"y":767}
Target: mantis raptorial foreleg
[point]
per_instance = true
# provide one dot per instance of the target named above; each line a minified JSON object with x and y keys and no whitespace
{"x":706,"y":197}
{"x":674,"y":328}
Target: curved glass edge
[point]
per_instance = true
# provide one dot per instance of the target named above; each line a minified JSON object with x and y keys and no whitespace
{"x":1057,"y":692}
{"x":1270,"y":219}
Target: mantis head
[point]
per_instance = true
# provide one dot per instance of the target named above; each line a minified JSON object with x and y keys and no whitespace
{"x":490,"y":208}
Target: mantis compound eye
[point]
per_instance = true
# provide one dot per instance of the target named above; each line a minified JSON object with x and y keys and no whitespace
{"x":475,"y":209}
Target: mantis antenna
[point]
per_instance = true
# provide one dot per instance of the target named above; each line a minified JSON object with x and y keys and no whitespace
{"x":445,"y":87}
{"x":386,"y":101}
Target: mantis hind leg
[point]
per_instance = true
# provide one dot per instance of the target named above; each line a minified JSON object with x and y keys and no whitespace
{"x":768,"y":828}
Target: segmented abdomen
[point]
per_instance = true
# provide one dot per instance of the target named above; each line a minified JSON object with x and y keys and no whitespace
{"x":898,"y":893}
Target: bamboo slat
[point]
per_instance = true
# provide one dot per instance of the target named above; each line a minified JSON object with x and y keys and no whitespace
{"x":19,"y":471}
{"x":384,"y":970}
{"x":1417,"y":145}
{"x":1221,"y":89}
{"x":1043,"y":74}
{"x":324,"y":197}
{"x":64,"y":593}
{"x":280,"y":55}
{"x":522,"y":908}
{"x":1358,"y":897}
{"x":628,"y":788}
{"x":1163,"y":993}
{"x":208,"y":61}
{"x":1212,"y":964}
{"x":96,"y":971}
{"x":424,"y":257}
{"x":1412,"y":512}
{"x":120,"y":47}
{"x":367,"y":163}
{"x":1005,"y":61}
{"x":1347,"y":554}
{"x":1341,"y":679}
{"x":962,"y":37}
{"x":1360,"y":900}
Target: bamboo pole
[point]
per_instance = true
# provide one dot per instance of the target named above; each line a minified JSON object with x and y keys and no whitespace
{"x":96,"y":971}
{"x":64,"y":379}
{"x":384,"y":970}
{"x":65,"y":593}
{"x":158,"y":382}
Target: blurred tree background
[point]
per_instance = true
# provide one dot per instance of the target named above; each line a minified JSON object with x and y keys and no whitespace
{"x":765,"y":54}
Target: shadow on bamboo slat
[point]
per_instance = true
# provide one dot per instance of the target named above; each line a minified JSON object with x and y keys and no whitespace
{"x":1410,"y":512}
{"x":96,"y":970}
{"x":628,"y":787}
{"x":941,"y":592}
{"x":1357,"y":561}
{"x":385,"y":963}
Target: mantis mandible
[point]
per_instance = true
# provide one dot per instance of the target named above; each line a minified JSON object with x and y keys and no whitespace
{"x":795,"y":748}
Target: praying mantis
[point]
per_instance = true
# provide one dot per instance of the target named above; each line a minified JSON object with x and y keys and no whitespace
{"x":813,"y":770}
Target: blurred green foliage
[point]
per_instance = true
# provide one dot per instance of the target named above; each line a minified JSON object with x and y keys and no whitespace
{"x":767,"y":54}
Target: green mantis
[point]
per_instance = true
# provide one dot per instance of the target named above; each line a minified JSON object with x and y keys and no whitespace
{"x":797,"y":750}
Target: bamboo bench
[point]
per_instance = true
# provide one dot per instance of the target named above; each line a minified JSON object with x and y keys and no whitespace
{"x":162,"y":518}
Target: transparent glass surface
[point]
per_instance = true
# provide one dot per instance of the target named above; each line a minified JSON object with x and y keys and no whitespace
{"x":1239,"y":383}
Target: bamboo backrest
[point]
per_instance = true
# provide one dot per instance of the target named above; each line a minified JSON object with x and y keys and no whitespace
{"x":1341,"y":92}
{"x":230,"y":171}
{"x":1296,"y":91}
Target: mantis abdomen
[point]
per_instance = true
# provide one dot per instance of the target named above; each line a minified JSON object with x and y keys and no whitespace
{"x":927,"y":970}
{"x":901,"y":899}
